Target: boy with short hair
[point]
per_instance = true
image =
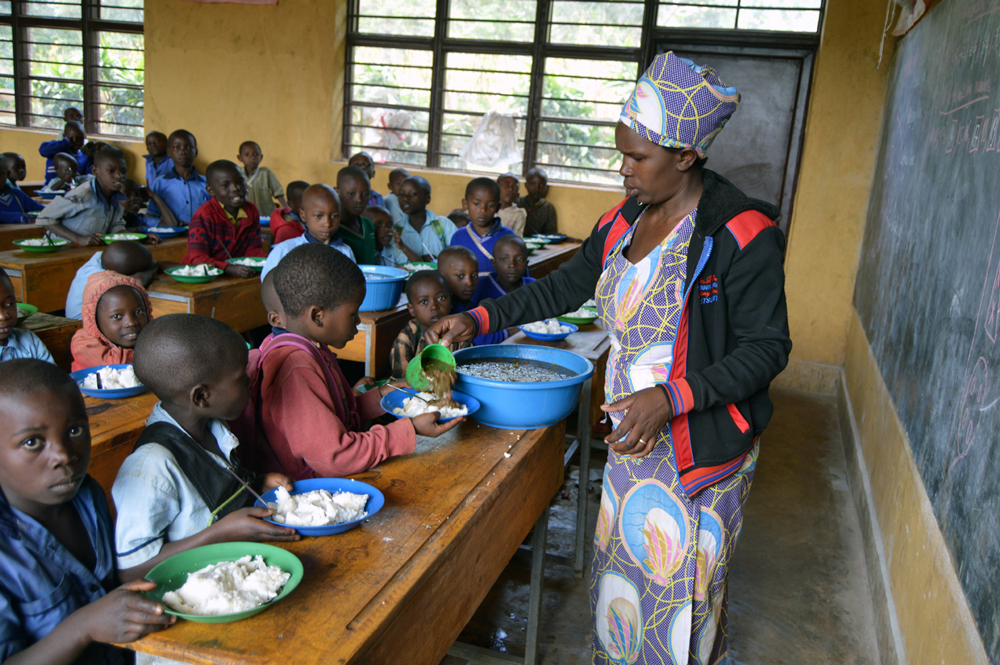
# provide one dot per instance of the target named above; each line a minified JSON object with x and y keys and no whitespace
{"x":177,"y":194}
{"x":321,"y":211}
{"x":72,"y":114}
{"x":422,"y":230}
{"x":286,"y":223}
{"x":428,"y":299}
{"x":93,"y":207}
{"x":15,"y":204}
{"x":17,"y":168}
{"x":510,"y":267}
{"x":390,"y":250}
{"x":71,"y":142}
{"x":272,"y":304}
{"x":460,"y":218}
{"x":460,"y":269}
{"x":396,"y":177}
{"x":354,"y":189}
{"x":509,"y":213}
{"x":125,"y":257}
{"x":65,"y":178}
{"x":116,"y":308}
{"x":59,"y":596}
{"x":226,"y":226}
{"x":482,"y":199}
{"x":262,"y":185}
{"x":158,"y":163}
{"x":177,"y":489}
{"x":14,"y":342}
{"x":365,"y":162}
{"x":541,"y":214}
{"x":310,"y":415}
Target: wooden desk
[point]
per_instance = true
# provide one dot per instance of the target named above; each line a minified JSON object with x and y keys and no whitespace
{"x":115,"y":426}
{"x":56,"y":332}
{"x":43,"y":280}
{"x":549,"y":258}
{"x":233,"y":300}
{"x":11,"y":232}
{"x":373,"y":343}
{"x":400,"y":587}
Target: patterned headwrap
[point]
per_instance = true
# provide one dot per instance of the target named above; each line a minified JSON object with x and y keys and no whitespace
{"x":678,"y":104}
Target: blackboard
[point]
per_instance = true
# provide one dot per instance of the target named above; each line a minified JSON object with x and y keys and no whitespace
{"x":928,"y":287}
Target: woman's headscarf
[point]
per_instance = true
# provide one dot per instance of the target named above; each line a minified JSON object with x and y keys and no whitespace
{"x":678,"y":104}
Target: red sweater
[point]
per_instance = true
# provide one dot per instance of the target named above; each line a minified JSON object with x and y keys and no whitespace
{"x":212,"y":238}
{"x":304,"y":420}
{"x":285,"y":228}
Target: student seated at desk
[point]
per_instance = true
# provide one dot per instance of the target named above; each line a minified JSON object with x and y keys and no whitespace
{"x":59,"y":596}
{"x":116,"y":308}
{"x":177,"y":490}
{"x":66,"y":177}
{"x":321,"y":211}
{"x":158,"y":163}
{"x":422,"y":230}
{"x":226,"y":226}
{"x":14,"y":342}
{"x":396,"y":177}
{"x":542,"y":216}
{"x":428,"y":300}
{"x":356,"y":230}
{"x":15,"y":204}
{"x":510,"y":265}
{"x":125,"y":257}
{"x":93,"y":208}
{"x":263,"y":187}
{"x":389,"y":247}
{"x":365,"y":162}
{"x":71,"y":114}
{"x":177,"y":194}
{"x":71,"y":142}
{"x":509,"y":213}
{"x":482,"y":198}
{"x":286,"y":223}
{"x":460,"y":269}
{"x":17,"y":168}
{"x":311,"y":417}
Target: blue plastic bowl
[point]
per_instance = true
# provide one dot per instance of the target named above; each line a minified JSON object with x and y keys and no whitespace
{"x":551,"y":338}
{"x":382,"y":292}
{"x":81,"y":374}
{"x":524,"y":405}
{"x":394,"y":400}
{"x":332,"y":485}
{"x":168,"y":232}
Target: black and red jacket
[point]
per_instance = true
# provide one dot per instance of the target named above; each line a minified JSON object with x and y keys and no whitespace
{"x":733,"y":334}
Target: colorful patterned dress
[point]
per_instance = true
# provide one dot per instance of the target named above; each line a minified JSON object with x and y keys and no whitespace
{"x":658,"y":586}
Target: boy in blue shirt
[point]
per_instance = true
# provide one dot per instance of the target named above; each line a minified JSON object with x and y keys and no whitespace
{"x":177,"y":194}
{"x":66,"y":177}
{"x":482,"y":200}
{"x":158,"y":164}
{"x":71,"y":142}
{"x":460,"y":269}
{"x":14,"y":342}
{"x":59,"y":596}
{"x":396,"y":178}
{"x":422,"y":230}
{"x":510,"y":265}
{"x":390,"y":251}
{"x":364,"y":162}
{"x":17,"y":169}
{"x":321,"y":213}
{"x":15,"y":204}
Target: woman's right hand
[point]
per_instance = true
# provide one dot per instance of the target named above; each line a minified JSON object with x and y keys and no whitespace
{"x":451,"y":329}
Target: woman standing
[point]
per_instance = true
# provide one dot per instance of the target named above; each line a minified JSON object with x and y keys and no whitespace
{"x":689,"y":284}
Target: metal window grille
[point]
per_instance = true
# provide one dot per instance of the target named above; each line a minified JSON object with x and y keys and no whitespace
{"x":83,"y":53}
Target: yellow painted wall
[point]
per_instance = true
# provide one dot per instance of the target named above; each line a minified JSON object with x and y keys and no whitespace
{"x":26,"y":142}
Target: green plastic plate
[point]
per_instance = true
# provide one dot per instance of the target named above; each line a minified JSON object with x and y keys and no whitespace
{"x":172,"y":573}
{"x":185,"y":279}
{"x":56,"y":245}
{"x":577,"y":320}
{"x":109,"y":238}
{"x":24,"y":310}
{"x":257,"y":260}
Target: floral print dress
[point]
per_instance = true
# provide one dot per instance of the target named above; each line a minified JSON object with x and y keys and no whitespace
{"x":658,"y":585}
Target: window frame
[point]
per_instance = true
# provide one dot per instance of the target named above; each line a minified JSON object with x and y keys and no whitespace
{"x":540,"y":49}
{"x":90,"y":24}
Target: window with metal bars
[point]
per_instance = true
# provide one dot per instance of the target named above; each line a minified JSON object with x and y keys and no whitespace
{"x":421,"y":75}
{"x":83,"y":53}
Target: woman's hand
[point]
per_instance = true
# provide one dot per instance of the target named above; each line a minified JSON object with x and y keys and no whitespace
{"x":451,"y":329}
{"x":648,"y":412}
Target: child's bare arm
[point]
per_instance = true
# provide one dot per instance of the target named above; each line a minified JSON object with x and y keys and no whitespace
{"x":242,"y":525}
{"x":121,"y":616}
{"x":93,"y":240}
{"x":410,"y":254}
{"x":282,"y":201}
{"x":166,"y":214}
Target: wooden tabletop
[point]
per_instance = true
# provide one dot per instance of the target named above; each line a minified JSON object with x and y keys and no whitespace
{"x":549,"y":258}
{"x":373,"y":343}
{"x":233,"y":300}
{"x":11,"y":232}
{"x":56,"y":332}
{"x":399,"y":588}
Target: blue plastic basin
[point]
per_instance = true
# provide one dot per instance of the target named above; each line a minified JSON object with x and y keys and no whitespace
{"x":524,"y":405}
{"x":554,"y":337}
{"x":332,"y":485}
{"x":382,"y":292}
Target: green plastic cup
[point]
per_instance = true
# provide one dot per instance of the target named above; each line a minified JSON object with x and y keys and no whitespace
{"x":433,"y":355}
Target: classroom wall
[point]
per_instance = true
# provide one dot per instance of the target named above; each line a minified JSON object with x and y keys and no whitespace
{"x":26,"y":141}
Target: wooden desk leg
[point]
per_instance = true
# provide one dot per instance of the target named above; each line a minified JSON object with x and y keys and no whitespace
{"x":538,"y":545}
{"x":583,"y":428}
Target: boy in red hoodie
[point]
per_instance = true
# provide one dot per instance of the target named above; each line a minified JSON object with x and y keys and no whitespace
{"x":227,"y":226}
{"x":287,"y":223}
{"x":311,"y":416}
{"x":115,"y":310}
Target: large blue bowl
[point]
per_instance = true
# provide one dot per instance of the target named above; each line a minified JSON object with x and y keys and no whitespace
{"x":332,"y":485}
{"x":79,"y":375}
{"x":555,"y":337}
{"x":382,"y":292}
{"x":507,"y":405}
{"x":394,"y":400}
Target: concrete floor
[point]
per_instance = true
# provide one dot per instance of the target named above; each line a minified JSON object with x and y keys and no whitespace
{"x":798,"y":588}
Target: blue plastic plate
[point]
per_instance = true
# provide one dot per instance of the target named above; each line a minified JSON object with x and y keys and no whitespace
{"x":168,"y":231}
{"x":81,"y":374}
{"x":394,"y":400}
{"x":332,"y":485}
{"x":551,"y":338}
